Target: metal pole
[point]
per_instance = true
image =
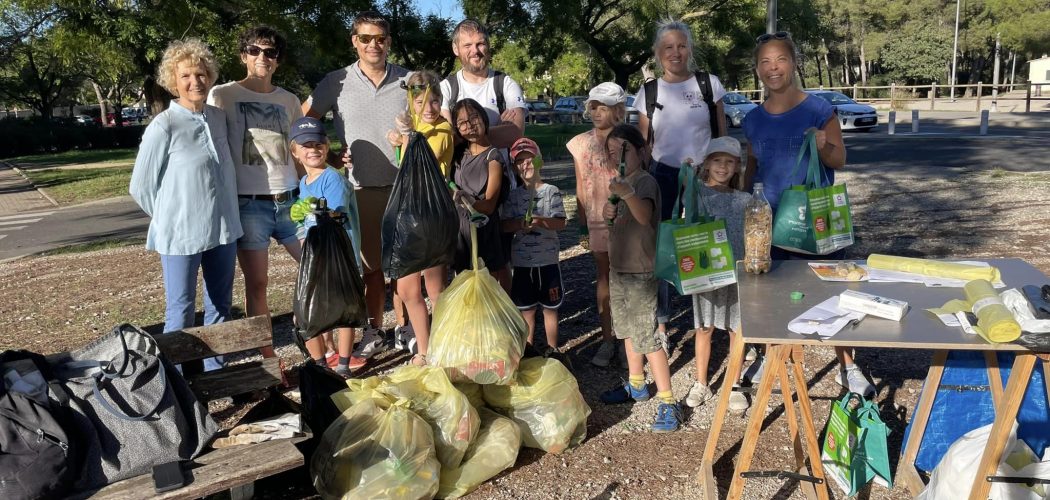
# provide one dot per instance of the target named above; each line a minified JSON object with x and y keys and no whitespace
{"x":995,"y":76}
{"x":915,"y":121}
{"x":771,"y":16}
{"x":892,"y":123}
{"x":955,"y":47}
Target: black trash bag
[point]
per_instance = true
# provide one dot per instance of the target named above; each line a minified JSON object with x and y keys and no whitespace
{"x":329,"y":292}
{"x":316,"y":385}
{"x":420,"y":222}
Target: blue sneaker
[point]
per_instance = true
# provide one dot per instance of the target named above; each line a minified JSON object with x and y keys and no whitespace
{"x":624,"y":394}
{"x":668,"y":417}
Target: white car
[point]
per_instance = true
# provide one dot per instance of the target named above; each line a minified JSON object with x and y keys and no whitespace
{"x":736,"y":106}
{"x":852,"y":116}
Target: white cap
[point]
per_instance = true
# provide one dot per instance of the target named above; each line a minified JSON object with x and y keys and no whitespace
{"x":723,"y":144}
{"x":608,"y":93}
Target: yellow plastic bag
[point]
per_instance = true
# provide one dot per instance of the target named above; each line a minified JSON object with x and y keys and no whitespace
{"x":473,"y":393}
{"x":494,"y":450}
{"x":546,"y":403}
{"x":369,"y":452}
{"x":994,"y":321}
{"x":478,"y":335}
{"x":929,"y":267}
{"x":427,"y":392}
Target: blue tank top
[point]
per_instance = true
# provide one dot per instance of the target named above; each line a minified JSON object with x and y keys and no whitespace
{"x":775,"y":140}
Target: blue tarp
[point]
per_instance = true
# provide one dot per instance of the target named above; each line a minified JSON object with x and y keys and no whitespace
{"x":956,"y":412}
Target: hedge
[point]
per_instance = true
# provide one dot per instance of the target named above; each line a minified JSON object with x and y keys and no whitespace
{"x":20,"y":137}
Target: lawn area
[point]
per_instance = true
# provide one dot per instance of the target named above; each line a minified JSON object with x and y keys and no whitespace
{"x":552,"y":138}
{"x":69,"y":186}
{"x":107,"y":156}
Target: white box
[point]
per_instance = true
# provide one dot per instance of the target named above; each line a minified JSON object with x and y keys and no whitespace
{"x":874,"y":305}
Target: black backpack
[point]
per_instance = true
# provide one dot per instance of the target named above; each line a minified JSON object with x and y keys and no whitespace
{"x":703,"y":79}
{"x":37,"y":457}
{"x":497,"y":85}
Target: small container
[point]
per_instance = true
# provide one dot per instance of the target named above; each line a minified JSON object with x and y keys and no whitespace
{"x":758,"y":232}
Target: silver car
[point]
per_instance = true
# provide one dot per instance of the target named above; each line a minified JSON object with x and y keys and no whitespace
{"x":852,"y":116}
{"x":736,"y":107}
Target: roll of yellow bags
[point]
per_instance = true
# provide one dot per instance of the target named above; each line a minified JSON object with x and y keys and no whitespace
{"x":933,"y":267}
{"x":995,"y":323}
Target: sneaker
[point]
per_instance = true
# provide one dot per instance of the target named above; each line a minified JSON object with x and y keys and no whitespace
{"x":357,"y":363}
{"x":662,"y":335}
{"x":606,"y":351}
{"x":751,"y":353}
{"x":331,"y":358}
{"x":625,"y":393}
{"x":738,"y":400}
{"x":411,"y":347}
{"x":668,"y":417}
{"x":753,"y":373}
{"x":698,"y":395}
{"x":371,"y":342}
{"x":402,"y":335}
{"x":854,"y":380}
{"x":342,"y":372}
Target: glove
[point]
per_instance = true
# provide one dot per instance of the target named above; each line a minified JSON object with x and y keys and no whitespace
{"x":460,"y":196}
{"x":403,"y":123}
{"x":301,"y":208}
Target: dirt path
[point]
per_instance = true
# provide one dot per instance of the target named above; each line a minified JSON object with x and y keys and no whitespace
{"x":56,"y":303}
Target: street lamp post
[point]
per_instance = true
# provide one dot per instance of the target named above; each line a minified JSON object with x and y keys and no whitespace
{"x":955,"y":47}
{"x":771,"y":16}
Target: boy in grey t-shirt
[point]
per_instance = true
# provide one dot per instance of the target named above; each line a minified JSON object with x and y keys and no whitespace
{"x":534,"y":213}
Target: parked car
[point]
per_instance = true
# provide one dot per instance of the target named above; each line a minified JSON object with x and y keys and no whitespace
{"x":85,"y":120}
{"x":632,"y":112}
{"x":566,"y":107}
{"x":852,"y":115}
{"x":539,"y":111}
{"x":736,"y":106}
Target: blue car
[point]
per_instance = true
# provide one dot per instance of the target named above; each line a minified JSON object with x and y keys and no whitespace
{"x":736,"y":106}
{"x":852,"y":116}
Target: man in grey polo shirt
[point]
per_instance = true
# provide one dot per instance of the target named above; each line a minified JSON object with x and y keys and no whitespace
{"x":366,"y":97}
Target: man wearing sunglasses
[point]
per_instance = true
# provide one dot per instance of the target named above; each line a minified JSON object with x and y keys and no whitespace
{"x":365,"y":98}
{"x":258,"y":119}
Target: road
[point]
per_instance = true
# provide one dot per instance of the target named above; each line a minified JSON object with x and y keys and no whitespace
{"x":936,"y":154}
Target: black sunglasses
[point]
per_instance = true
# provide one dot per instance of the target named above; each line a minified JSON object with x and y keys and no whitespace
{"x":780,"y":35}
{"x":367,"y":39}
{"x":415,"y":88}
{"x":255,"y":50}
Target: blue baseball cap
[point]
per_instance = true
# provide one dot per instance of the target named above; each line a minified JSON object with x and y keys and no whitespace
{"x":308,"y":129}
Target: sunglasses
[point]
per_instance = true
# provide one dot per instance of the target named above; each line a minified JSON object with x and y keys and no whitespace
{"x":255,"y":50}
{"x":367,"y":39}
{"x":780,"y":35}
{"x":415,"y":88}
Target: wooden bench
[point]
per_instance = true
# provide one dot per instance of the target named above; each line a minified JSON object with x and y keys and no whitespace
{"x":237,"y":468}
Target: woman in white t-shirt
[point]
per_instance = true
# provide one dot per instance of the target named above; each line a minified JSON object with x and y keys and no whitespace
{"x":680,"y":126}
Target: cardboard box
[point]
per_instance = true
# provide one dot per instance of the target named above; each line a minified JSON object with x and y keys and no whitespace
{"x":874,"y":305}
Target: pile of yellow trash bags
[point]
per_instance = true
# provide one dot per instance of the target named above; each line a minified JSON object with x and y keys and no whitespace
{"x":440,"y":431}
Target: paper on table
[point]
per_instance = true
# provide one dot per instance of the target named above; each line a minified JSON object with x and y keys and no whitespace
{"x":884,"y":275}
{"x":824,"y":319}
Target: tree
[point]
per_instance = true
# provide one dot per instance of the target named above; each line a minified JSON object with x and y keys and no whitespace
{"x":917,"y":52}
{"x":35,"y":75}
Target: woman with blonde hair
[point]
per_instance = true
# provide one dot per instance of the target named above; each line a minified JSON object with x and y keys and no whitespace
{"x":184,"y":180}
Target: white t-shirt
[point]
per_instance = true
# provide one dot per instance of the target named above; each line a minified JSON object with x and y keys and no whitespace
{"x":485,"y":94}
{"x":258,"y":127}
{"x":683,"y":126}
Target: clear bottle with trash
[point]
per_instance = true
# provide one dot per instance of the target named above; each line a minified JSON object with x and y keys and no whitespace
{"x":758,"y":232}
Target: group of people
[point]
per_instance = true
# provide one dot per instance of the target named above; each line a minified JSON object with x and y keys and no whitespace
{"x":222,"y":169}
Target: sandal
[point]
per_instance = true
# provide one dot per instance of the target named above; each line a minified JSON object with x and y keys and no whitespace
{"x":419,"y":360}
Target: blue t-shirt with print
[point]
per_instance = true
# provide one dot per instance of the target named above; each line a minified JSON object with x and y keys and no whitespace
{"x":775,"y":140}
{"x":339,"y":195}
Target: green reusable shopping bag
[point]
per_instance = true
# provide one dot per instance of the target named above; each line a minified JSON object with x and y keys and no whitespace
{"x":813,"y":218}
{"x":693,"y":252}
{"x":854,"y":449}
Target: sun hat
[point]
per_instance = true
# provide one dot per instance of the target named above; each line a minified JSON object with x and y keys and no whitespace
{"x":723,"y":144}
{"x":608,"y":93}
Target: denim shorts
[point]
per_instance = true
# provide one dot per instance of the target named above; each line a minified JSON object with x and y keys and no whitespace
{"x":265,"y":219}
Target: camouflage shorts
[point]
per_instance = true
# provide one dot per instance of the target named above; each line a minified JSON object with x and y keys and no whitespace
{"x":633,"y":305}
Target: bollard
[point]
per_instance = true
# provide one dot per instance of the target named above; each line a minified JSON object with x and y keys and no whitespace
{"x":984,"y":122}
{"x":915,"y":121}
{"x":892,"y":124}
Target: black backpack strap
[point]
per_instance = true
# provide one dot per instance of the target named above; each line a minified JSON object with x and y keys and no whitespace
{"x":703,"y":79}
{"x":497,"y":84}
{"x":453,"y":91}
{"x":651,"y":87}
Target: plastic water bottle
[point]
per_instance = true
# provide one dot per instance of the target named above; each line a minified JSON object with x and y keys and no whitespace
{"x":758,"y":232}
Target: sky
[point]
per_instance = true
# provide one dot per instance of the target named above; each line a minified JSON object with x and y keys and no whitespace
{"x":444,"y":8}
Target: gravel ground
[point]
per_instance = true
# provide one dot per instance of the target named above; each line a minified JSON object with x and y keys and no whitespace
{"x":49,"y":304}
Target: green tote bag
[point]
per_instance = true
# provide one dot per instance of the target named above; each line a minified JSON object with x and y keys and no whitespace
{"x":854,"y":450}
{"x":813,"y":218}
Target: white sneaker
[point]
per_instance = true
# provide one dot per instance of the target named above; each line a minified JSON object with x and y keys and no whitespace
{"x":662,"y":335}
{"x":402,"y":335}
{"x":372,"y":342}
{"x":854,"y":380}
{"x":698,"y":395}
{"x":751,"y":353}
{"x":737,"y":400}
{"x":606,"y":351}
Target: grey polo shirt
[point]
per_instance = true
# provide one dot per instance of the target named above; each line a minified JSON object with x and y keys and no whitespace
{"x":363,"y":115}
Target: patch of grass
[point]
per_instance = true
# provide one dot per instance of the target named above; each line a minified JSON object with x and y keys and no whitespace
{"x":95,"y":245}
{"x":70,"y":186}
{"x":997,"y":172}
{"x":552,"y":138}
{"x":76,"y":157}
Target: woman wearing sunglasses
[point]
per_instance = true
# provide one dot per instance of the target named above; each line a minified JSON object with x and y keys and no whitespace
{"x":775,"y":132}
{"x":259,"y":117}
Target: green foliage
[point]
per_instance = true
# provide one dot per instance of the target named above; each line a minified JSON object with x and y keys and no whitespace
{"x":917,"y":52}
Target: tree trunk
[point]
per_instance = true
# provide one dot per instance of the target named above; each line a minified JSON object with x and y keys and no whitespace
{"x":157,"y":97}
{"x":863,"y":66}
{"x":975,"y":74}
{"x":101,"y":102}
{"x":820,"y":72}
{"x":827,"y":64}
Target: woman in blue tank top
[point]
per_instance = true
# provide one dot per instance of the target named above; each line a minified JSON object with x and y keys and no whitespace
{"x":775,"y":132}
